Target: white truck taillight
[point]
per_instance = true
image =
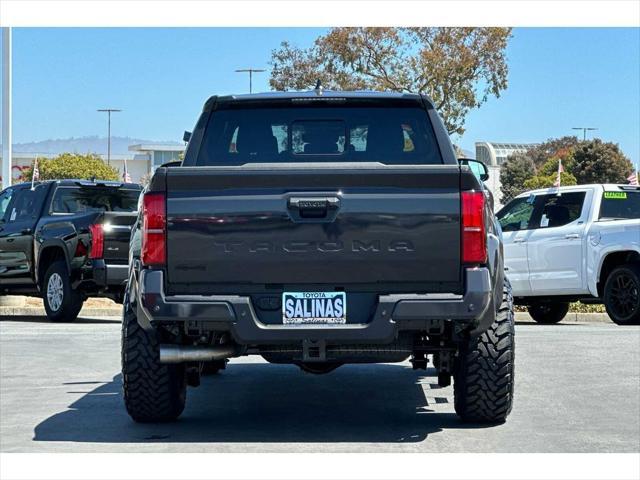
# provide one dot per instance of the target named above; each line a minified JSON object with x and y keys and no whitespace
{"x":97,"y":241}
{"x":154,"y":220}
{"x":474,"y":241}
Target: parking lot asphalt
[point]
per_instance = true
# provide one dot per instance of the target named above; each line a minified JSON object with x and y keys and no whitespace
{"x":577,"y":390}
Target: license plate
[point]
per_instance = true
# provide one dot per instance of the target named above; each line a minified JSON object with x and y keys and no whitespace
{"x":314,"y":308}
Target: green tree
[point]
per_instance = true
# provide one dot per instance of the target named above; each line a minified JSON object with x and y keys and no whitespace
{"x":547,"y":174}
{"x":546,"y":181}
{"x":550,"y":167}
{"x":514,"y":172}
{"x":459,"y":68}
{"x":73,"y":165}
{"x":562,"y":147}
{"x":541,"y":167}
{"x":600,"y":162}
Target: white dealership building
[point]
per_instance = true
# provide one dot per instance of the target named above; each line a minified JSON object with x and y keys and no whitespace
{"x":494,"y":154}
{"x":142,"y":160}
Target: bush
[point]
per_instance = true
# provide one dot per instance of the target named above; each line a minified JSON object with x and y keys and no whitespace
{"x":73,"y":165}
{"x":575,"y":307}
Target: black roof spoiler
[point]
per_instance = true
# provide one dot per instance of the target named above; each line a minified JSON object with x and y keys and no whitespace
{"x":302,"y":97}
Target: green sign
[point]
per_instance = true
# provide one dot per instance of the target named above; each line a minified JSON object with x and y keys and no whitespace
{"x":615,"y":195}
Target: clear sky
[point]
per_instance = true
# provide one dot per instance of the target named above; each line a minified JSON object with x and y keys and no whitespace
{"x":558,"y":79}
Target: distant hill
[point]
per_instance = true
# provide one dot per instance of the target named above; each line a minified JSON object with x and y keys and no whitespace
{"x":94,"y":144}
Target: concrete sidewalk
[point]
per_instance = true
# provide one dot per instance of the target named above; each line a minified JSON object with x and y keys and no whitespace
{"x":17,"y":305}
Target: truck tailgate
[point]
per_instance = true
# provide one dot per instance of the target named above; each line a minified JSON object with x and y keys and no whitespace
{"x":117,"y":232}
{"x":326,"y":224}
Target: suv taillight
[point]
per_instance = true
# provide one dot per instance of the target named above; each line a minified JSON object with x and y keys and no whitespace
{"x":154,"y":219}
{"x":474,"y":243}
{"x":97,"y":241}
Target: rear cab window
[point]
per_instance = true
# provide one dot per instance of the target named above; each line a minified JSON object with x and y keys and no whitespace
{"x":237,"y":134}
{"x":620,"y":205}
{"x":22,"y":203}
{"x":559,"y":210}
{"x":84,"y":199}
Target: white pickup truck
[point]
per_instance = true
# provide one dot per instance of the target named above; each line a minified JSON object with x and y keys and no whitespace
{"x":574,"y":243}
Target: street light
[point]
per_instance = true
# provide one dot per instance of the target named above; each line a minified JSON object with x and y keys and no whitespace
{"x":109,"y":110}
{"x":584,"y":131}
{"x":251,"y":71}
{"x":6,"y":108}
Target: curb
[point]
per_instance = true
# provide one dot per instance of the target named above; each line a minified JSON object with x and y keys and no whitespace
{"x":570,"y":318}
{"x":39,"y":312}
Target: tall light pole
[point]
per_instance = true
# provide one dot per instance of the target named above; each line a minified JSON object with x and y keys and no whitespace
{"x":6,"y":107}
{"x":251,"y":71}
{"x":109,"y":110}
{"x":584,"y":131}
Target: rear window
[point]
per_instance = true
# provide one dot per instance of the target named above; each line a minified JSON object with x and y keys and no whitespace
{"x":94,"y":199}
{"x":389,"y":135}
{"x":622,"y":205}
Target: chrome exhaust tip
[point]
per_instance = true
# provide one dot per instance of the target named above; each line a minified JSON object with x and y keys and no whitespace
{"x":191,"y":353}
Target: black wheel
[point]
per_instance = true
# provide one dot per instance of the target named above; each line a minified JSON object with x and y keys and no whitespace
{"x":622,"y":295}
{"x":548,"y":312}
{"x":484,"y":375}
{"x":61,"y":302}
{"x":153,"y":392}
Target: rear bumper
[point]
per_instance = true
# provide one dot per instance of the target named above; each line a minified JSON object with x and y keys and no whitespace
{"x":235,"y":314}
{"x":108,"y":274}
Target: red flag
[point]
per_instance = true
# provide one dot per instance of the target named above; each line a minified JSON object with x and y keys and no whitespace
{"x":633,"y":178}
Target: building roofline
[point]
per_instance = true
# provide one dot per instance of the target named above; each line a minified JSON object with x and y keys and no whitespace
{"x":147,"y":147}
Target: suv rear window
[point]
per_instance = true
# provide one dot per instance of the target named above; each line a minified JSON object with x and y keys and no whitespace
{"x":620,"y":205}
{"x":94,"y":199}
{"x":389,"y":135}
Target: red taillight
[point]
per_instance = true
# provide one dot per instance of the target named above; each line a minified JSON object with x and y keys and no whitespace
{"x":474,"y":243}
{"x":97,"y":241}
{"x":154,"y":220}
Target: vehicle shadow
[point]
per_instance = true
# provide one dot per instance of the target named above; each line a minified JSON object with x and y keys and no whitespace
{"x":260,"y":402}
{"x":44,"y":319}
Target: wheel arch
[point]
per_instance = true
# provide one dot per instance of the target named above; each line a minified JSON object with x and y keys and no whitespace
{"x":613,"y":260}
{"x":49,"y":253}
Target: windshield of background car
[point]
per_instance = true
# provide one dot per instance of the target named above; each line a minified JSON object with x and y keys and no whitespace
{"x":82,"y":199}
{"x":398,"y":135}
{"x":617,"y":205}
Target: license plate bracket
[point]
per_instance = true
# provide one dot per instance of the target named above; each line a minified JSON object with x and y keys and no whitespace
{"x":314,"y":308}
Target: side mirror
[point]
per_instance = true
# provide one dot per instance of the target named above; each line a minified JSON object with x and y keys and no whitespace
{"x":478,"y":168}
{"x":186,"y":136}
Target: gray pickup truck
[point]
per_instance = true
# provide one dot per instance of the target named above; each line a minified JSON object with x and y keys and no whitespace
{"x":318,"y":229}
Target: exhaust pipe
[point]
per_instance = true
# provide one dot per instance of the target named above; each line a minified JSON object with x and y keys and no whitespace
{"x":191,"y":353}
